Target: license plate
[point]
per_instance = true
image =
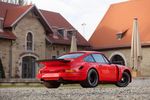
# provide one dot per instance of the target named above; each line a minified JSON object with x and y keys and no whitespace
{"x":51,"y":75}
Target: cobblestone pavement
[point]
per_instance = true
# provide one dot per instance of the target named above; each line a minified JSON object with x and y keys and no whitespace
{"x":139,"y":89}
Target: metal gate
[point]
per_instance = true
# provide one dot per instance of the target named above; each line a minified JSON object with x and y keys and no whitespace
{"x":28,"y":67}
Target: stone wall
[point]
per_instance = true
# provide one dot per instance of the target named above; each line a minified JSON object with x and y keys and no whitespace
{"x":57,"y":50}
{"x":145,"y":66}
{"x":125,"y":53}
{"x":28,"y":23}
{"x":4,"y":55}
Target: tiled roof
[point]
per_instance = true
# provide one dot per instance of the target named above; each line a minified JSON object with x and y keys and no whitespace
{"x":119,"y":18}
{"x":3,"y":8}
{"x":12,"y":13}
{"x":61,"y":40}
{"x":57,"y":20}
{"x":7,"y":35}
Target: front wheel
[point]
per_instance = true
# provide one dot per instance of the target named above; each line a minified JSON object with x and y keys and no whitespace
{"x":91,"y":80}
{"x":125,"y":80}
{"x":51,"y":84}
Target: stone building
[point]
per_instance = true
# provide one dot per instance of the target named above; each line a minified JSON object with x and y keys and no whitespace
{"x":113,"y":34}
{"x":28,"y":34}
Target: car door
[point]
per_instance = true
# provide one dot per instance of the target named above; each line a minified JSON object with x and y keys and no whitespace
{"x":107,"y":71}
{"x":90,"y":61}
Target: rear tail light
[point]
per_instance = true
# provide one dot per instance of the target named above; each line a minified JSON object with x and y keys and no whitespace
{"x":70,"y":70}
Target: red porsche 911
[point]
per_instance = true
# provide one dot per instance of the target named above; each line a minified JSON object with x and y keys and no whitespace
{"x":88,"y":68}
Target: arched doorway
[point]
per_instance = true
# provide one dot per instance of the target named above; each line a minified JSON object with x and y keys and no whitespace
{"x":2,"y":74}
{"x":117,"y":59}
{"x":28,"y":67}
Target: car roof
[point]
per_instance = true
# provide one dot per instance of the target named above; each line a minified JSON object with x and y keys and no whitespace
{"x":88,"y":52}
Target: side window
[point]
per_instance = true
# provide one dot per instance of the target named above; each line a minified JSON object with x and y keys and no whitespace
{"x":106,"y":60}
{"x":89,"y":59}
{"x":99,"y":58}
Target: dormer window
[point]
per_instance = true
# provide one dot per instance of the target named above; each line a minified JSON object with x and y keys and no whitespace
{"x":72,"y":32}
{"x":120,"y":35}
{"x":61,"y":32}
{"x":1,"y":23}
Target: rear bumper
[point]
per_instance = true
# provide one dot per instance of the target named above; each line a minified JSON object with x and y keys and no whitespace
{"x":61,"y":76}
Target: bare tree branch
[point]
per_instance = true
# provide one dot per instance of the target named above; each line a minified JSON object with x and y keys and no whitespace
{"x":20,"y":2}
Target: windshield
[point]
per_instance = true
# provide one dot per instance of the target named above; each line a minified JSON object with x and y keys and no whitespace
{"x":73,"y":55}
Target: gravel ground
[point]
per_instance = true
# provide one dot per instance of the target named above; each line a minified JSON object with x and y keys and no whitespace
{"x":139,"y":89}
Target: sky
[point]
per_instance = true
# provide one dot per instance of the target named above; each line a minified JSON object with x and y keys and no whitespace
{"x":84,"y":15}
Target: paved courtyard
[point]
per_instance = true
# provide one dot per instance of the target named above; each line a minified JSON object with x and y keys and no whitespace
{"x":139,"y":89}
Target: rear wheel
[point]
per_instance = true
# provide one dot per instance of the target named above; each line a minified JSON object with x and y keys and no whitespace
{"x":51,"y":84}
{"x":125,"y":80}
{"x":91,"y":80}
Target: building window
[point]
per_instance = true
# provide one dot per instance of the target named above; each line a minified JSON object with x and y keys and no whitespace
{"x":70,"y":33}
{"x":1,"y":24}
{"x":53,"y":57}
{"x":58,"y":53}
{"x":29,"y":41}
{"x":64,"y":49}
{"x":61,"y":32}
{"x":120,"y":35}
{"x":117,"y":59}
{"x":54,"y":48}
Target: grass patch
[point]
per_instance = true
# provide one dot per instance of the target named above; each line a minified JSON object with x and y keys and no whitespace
{"x":9,"y":85}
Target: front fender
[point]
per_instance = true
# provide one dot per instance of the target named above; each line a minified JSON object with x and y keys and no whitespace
{"x":121,"y":70}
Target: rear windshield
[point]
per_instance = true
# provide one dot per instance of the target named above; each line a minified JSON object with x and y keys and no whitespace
{"x":73,"y":55}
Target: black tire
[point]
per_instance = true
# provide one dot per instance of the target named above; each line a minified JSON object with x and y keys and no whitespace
{"x":51,"y":84}
{"x":125,"y":80}
{"x":91,"y":80}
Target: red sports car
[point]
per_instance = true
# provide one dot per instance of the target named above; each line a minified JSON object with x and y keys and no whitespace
{"x":88,"y":68}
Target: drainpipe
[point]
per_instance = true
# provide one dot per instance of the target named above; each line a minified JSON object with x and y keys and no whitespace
{"x":10,"y":59}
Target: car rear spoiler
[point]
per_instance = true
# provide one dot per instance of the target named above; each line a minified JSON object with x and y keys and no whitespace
{"x":51,"y":60}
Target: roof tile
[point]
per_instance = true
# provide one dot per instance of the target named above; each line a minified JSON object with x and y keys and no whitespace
{"x":7,"y":35}
{"x":11,"y":13}
{"x":119,"y":18}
